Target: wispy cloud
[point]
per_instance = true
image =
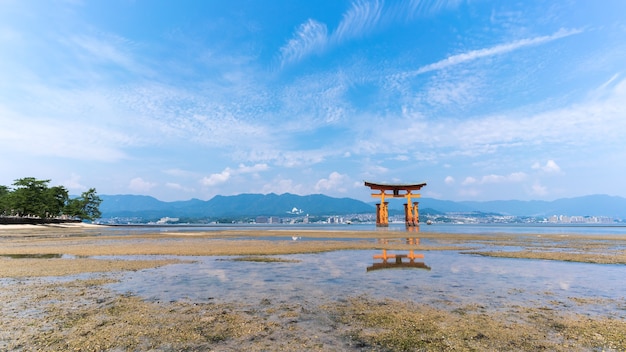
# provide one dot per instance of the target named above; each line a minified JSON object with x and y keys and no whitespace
{"x":361,"y":19}
{"x":138,"y":184}
{"x":106,"y":50}
{"x":178,"y":187}
{"x":73,"y":183}
{"x":598,"y":120}
{"x":421,"y":7}
{"x":286,"y":158}
{"x":311,"y":37}
{"x":448,"y":92}
{"x":77,"y":140}
{"x":284,"y":185}
{"x":538,"y":190}
{"x":204,"y":117}
{"x":492,"y":51}
{"x":513,"y":177}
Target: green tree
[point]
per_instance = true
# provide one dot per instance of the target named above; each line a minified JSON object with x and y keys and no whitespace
{"x":55,"y":198}
{"x":30,"y":197}
{"x":85,"y":207}
{"x":5,"y":208}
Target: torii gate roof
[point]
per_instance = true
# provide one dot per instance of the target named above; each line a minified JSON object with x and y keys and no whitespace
{"x":395,"y":187}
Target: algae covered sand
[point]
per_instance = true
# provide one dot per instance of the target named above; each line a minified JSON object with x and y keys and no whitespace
{"x":82,"y":315}
{"x":54,"y":285}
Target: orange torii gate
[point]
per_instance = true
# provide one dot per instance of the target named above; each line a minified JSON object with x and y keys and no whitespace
{"x":411,"y":212}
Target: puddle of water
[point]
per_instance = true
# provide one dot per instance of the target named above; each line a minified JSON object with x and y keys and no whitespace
{"x":453,"y":279}
{"x":38,"y":256}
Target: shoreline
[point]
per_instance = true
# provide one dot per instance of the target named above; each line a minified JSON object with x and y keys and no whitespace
{"x":5,"y":227}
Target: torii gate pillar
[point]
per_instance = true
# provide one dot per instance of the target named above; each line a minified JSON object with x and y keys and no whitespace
{"x":411,"y":210}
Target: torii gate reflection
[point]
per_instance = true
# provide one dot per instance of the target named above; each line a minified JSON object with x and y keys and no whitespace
{"x":396,"y":261}
{"x":411,"y":211}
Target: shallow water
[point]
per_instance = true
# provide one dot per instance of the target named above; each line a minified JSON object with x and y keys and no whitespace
{"x":586,"y":229}
{"x":454,"y":280}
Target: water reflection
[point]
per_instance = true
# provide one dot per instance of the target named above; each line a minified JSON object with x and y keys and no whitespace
{"x":396,"y":228}
{"x":398,"y":260}
{"x":455,"y":279}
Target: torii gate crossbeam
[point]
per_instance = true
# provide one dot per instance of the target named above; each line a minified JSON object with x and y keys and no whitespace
{"x":411,"y":211}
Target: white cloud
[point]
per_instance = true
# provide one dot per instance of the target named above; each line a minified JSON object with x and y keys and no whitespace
{"x":179,"y":187}
{"x":251,"y":169}
{"x":138,"y":184}
{"x":74,"y":183}
{"x":469,"y":181}
{"x":377,"y":169}
{"x":227,"y":173}
{"x":297,"y":159}
{"x":280,"y":186}
{"x":517,"y":176}
{"x":469,"y":192}
{"x":178,"y":172}
{"x":449,"y":180}
{"x":513,"y":177}
{"x":539,"y":190}
{"x":334,"y":182}
{"x":173,"y":185}
{"x":550,"y":167}
{"x":493,"y":179}
{"x":216,"y":179}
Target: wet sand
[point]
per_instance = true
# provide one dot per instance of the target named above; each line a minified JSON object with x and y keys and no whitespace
{"x":43,"y":311}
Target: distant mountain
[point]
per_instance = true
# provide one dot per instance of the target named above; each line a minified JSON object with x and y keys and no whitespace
{"x":593,"y":205}
{"x":250,"y":205}
{"x":230,"y":206}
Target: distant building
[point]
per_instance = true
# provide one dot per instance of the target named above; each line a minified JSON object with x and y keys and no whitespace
{"x":166,"y":220}
{"x":267,"y":220}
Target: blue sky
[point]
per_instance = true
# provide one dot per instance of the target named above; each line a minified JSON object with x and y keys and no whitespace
{"x":483,"y":100}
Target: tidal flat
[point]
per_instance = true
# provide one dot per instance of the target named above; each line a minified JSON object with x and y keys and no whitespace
{"x":94,"y":290}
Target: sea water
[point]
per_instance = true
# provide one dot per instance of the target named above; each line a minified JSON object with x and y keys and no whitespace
{"x":531,"y":228}
{"x":452,"y":279}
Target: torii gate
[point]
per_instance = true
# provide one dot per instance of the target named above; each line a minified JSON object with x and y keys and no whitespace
{"x":411,"y":212}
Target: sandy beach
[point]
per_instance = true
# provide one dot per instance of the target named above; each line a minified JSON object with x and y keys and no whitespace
{"x":54,"y":289}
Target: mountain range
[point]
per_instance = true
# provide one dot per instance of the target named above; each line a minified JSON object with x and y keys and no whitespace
{"x":251,"y":205}
{"x":241,"y":205}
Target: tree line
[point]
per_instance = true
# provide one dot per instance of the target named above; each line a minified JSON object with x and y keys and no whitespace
{"x":30,"y":197}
